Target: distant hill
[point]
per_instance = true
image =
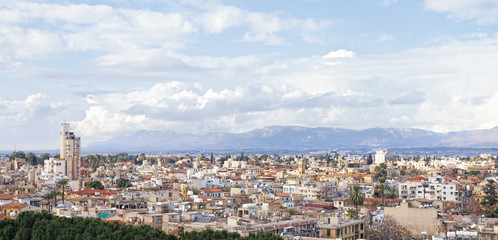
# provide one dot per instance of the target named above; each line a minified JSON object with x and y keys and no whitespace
{"x":290,"y":137}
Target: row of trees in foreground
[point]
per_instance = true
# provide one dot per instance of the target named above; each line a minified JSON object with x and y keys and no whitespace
{"x":45,"y":226}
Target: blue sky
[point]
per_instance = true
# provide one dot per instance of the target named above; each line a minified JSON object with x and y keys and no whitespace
{"x":115,"y":67}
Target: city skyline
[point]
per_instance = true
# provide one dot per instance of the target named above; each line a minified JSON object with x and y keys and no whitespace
{"x":112,"y":68}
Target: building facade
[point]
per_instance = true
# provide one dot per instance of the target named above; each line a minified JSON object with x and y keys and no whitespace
{"x":70,"y":151}
{"x":335,"y":228}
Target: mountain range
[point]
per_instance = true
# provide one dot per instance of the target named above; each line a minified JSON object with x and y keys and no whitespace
{"x":293,"y":137}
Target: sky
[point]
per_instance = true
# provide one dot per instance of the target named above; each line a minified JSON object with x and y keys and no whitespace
{"x":115,"y":67}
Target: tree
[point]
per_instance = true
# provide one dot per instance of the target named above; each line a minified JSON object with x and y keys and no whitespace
{"x":424,"y":186}
{"x":472,"y":207}
{"x":381,"y":187}
{"x":63,"y":183}
{"x":45,"y":156}
{"x":32,"y":158}
{"x":48,"y":196}
{"x":490,"y":193}
{"x":474,"y":172}
{"x":381,"y":171}
{"x":18,"y":154}
{"x":55,"y":193}
{"x":356,"y":197}
{"x":123,"y":183}
{"x":388,"y":229}
{"x":94,"y":185}
{"x":369,"y":159}
{"x":31,"y":225}
{"x":392,"y":192}
{"x":351,"y":213}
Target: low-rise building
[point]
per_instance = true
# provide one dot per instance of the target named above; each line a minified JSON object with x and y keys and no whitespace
{"x":336,"y":228}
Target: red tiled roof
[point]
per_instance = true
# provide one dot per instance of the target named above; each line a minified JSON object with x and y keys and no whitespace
{"x":10,"y":196}
{"x":417,"y":179}
{"x":211,"y":190}
{"x":15,"y":205}
{"x":89,"y":191}
{"x":283,"y":194}
{"x":315,"y":205}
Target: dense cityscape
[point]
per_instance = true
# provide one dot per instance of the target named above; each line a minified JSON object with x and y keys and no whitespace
{"x":330,"y":195}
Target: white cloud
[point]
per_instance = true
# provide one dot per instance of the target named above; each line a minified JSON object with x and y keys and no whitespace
{"x":26,"y":123}
{"x":18,"y":43}
{"x":482,"y":11}
{"x":263,"y":27}
{"x":222,"y":18}
{"x":185,"y":107}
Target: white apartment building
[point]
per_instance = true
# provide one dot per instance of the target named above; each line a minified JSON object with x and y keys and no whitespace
{"x":53,"y":167}
{"x":311,"y":192}
{"x":438,"y":189}
{"x":232,"y":164}
{"x":380,"y":156}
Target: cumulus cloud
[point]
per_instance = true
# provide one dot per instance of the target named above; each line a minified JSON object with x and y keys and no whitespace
{"x":341,"y":53}
{"x":262,"y":27}
{"x":482,"y":11}
{"x":27,"y":122}
{"x":185,"y":107}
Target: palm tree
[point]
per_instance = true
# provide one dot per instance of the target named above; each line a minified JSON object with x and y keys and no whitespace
{"x":48,"y":196}
{"x":54,"y":194}
{"x":63,"y":183}
{"x":351,"y":213}
{"x":425,"y":185}
{"x":356,"y":197}
{"x":392,"y":192}
{"x":382,"y":187}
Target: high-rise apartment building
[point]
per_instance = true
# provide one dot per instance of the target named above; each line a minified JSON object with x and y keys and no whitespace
{"x":70,"y":151}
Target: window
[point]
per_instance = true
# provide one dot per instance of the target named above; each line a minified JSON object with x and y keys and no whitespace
{"x":338,"y":233}
{"x":361,"y":227}
{"x":328,"y":232}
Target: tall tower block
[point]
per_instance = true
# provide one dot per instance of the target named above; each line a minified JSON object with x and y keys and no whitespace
{"x":70,"y":151}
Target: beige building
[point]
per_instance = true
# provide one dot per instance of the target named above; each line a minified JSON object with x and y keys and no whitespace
{"x":416,"y":220}
{"x":70,"y":151}
{"x":488,"y":230}
{"x":335,"y":228}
